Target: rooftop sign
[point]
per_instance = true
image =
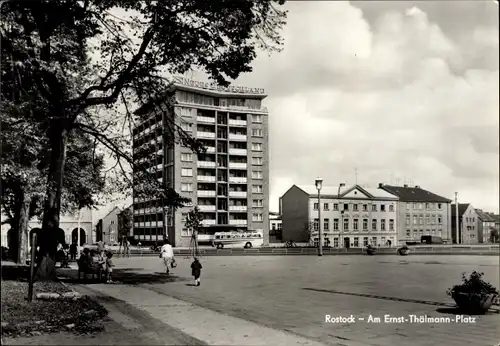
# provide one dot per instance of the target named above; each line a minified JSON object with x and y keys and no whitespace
{"x":216,"y":87}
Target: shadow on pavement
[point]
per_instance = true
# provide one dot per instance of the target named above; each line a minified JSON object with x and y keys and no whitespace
{"x":122,"y":276}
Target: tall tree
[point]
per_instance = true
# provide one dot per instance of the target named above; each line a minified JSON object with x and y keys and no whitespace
{"x":82,"y":59}
{"x":193,"y":222}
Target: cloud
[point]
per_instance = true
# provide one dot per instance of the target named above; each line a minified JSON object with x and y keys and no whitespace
{"x":394,"y":95}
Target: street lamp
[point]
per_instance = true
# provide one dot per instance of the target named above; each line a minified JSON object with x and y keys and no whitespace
{"x":319,"y":185}
{"x":341,"y":215}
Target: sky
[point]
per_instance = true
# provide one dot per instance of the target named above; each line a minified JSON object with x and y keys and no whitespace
{"x":399,"y":92}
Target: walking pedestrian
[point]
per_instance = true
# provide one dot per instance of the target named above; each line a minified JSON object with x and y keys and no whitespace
{"x":127,"y":248}
{"x":72,"y":251}
{"x":167,"y":254}
{"x":196,"y":271}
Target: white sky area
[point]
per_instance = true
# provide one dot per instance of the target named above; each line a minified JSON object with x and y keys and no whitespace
{"x":404,"y":92}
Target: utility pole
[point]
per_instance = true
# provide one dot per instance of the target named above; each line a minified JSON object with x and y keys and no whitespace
{"x":458,"y":232}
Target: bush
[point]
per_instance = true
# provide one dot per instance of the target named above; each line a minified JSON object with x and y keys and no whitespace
{"x":473,"y":285}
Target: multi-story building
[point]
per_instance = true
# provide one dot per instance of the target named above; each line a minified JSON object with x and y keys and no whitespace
{"x":350,"y":216}
{"x":467,"y":232}
{"x":485,"y":224}
{"x":229,"y":182}
{"x":420,"y":212}
{"x":107,"y":227}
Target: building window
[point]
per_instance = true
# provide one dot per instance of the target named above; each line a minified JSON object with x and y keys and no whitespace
{"x":427,"y":206}
{"x":257,"y":203}
{"x":326,"y":206}
{"x":440,"y":220}
{"x":382,"y":207}
{"x":420,"y":206}
{"x":374,"y":224}
{"x":257,"y":161}
{"x":112,"y":222}
{"x":257,"y":188}
{"x":335,"y":206}
{"x":391,"y":225}
{"x":346,"y":206}
{"x":187,"y":187}
{"x":256,"y":146}
{"x":382,"y":224}
{"x":415,"y":205}
{"x":427,"y":220}
{"x":257,"y":133}
{"x":391,"y":207}
{"x":316,"y":225}
{"x":374,"y":207}
{"x":355,"y":224}
{"x":421,"y":220}
{"x":187,"y":157}
{"x":257,"y":217}
{"x":186,"y":126}
{"x":186,"y":172}
{"x":335,"y":224}
{"x":365,"y":207}
{"x":356,"y":242}
{"x":316,"y":206}
{"x":407,"y":206}
{"x":256,"y":118}
{"x":408,"y":233}
{"x":346,"y":224}
{"x":415,"y":220}
{"x":256,"y":174}
{"x":440,"y":206}
{"x":365,"y":241}
{"x":365,"y":224}
{"x":326,"y":225}
{"x":433,"y":219}
{"x":335,"y":242}
{"x":355,"y":207}
{"x":374,"y":241}
{"x":408,"y":221}
{"x":185,"y":232}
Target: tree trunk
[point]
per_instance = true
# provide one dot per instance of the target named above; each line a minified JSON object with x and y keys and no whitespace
{"x":22,"y":227}
{"x":48,"y":241}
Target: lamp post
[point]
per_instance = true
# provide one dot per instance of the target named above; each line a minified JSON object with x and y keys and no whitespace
{"x":78,"y":235}
{"x":319,"y":185}
{"x":341,"y":216}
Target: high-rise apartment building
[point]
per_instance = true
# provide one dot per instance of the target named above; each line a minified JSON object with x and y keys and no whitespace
{"x":229,"y":183}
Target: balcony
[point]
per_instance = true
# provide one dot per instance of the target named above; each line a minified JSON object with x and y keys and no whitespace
{"x":237,"y":122}
{"x":209,"y":135}
{"x":210,"y":150}
{"x":206,"y":164}
{"x":234,"y":151}
{"x":206,"y":178}
{"x":202,"y":119}
{"x":237,"y":165}
{"x":238,"y":222}
{"x":237,"y":137}
{"x":242,"y":194}
{"x":206,"y":193}
{"x":238,"y":208}
{"x":206,"y":208}
{"x":238,"y":180}
{"x":208,"y":222}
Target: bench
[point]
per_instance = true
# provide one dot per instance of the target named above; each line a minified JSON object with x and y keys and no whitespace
{"x":85,"y":268}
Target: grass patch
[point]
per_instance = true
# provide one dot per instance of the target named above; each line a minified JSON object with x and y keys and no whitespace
{"x":20,"y":317}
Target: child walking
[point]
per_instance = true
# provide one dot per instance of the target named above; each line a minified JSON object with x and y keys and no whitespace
{"x":109,"y":267}
{"x":196,"y":271}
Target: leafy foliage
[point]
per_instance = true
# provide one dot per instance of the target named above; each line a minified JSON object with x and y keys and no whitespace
{"x":494,"y":235}
{"x":194,"y":219}
{"x":473,"y":285}
{"x":126,"y":222}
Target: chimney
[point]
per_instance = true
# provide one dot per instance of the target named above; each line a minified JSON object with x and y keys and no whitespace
{"x":417,"y":186}
{"x":380,"y":185}
{"x":405,"y":185}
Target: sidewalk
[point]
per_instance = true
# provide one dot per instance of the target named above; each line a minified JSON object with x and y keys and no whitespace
{"x":163,"y":318}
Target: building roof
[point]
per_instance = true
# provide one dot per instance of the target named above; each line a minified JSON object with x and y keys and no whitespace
{"x":485,"y":217}
{"x":112,"y":210}
{"x":334,"y":190}
{"x":462,"y":207}
{"x":413,"y":194}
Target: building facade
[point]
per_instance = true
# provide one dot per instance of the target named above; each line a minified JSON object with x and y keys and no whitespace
{"x":275,"y":227}
{"x":420,"y":213}
{"x":467,"y":231}
{"x":350,"y":216}
{"x":485,"y":224}
{"x":229,"y":182}
{"x":107,"y":227}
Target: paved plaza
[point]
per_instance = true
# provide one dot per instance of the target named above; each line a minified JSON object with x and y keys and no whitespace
{"x":293,"y":294}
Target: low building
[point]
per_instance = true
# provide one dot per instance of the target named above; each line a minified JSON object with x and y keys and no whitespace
{"x":125,"y":227}
{"x":467,"y":231}
{"x":275,"y":227}
{"x":107,"y":227}
{"x":420,"y":212}
{"x":350,"y":216}
{"x":485,"y":224}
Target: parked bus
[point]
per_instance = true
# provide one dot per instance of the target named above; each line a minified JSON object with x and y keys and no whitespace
{"x":245,"y":239}
{"x":431,"y":239}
